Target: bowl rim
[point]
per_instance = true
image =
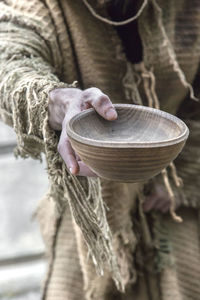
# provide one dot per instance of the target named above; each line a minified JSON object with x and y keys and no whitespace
{"x":121,"y":144}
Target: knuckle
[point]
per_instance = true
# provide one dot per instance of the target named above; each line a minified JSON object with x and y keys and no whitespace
{"x":95,"y":97}
{"x":102,"y":100}
{"x":90,"y":93}
{"x":84,"y":95}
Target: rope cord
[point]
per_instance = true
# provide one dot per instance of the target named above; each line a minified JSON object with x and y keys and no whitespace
{"x":153,"y":101}
{"x":114,"y":23}
{"x":176,"y":218}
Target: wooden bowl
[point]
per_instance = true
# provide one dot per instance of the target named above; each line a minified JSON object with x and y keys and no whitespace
{"x":133,"y":148}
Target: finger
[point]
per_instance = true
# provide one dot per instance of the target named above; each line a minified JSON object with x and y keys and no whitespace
{"x":65,"y":148}
{"x":101,"y":103}
{"x":149,"y":203}
{"x":66,"y":151}
{"x":84,"y":170}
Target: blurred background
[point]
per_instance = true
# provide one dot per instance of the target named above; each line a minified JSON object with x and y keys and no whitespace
{"x":22,"y":184}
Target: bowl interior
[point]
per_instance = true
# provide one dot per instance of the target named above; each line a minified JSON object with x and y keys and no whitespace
{"x":135,"y":124}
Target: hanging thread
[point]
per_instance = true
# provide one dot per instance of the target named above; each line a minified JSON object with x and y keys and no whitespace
{"x":120,"y":23}
{"x":149,"y":88}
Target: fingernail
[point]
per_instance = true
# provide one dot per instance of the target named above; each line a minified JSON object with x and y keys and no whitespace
{"x":73,"y":170}
{"x":111,"y":114}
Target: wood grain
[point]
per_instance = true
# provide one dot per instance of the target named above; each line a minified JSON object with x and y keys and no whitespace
{"x":133,"y":148}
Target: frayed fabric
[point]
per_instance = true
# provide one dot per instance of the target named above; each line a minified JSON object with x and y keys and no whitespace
{"x":32,"y":78}
{"x":44,"y":44}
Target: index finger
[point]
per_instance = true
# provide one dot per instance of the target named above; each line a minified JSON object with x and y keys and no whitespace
{"x":101,"y":103}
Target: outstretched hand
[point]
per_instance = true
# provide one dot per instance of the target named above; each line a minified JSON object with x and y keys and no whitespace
{"x":64,"y":104}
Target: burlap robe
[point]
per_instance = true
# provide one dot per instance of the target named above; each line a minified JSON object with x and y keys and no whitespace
{"x":47,"y":43}
{"x":177,"y":280}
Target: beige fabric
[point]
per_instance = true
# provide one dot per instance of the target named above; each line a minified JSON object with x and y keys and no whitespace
{"x":65,"y":263}
{"x":182,"y":281}
{"x":31,"y":63}
{"x":124,"y":240}
{"x":65,"y":280}
{"x":43,"y":43}
{"x":188,"y":164}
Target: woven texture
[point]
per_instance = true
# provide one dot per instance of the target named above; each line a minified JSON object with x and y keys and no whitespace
{"x":43,"y":45}
{"x":188,"y":164}
{"x":31,"y":62}
{"x":182,"y":282}
{"x":66,"y":277}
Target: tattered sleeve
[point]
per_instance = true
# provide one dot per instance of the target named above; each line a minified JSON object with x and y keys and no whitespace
{"x":29,"y":68}
{"x":30,"y":64}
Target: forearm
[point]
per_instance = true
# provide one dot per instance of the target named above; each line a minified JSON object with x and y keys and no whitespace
{"x":24,"y":87}
{"x":24,"y":103}
{"x":29,"y":64}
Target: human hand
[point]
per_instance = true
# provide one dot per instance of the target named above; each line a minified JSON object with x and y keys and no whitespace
{"x":158,"y":200}
{"x":63,"y":105}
